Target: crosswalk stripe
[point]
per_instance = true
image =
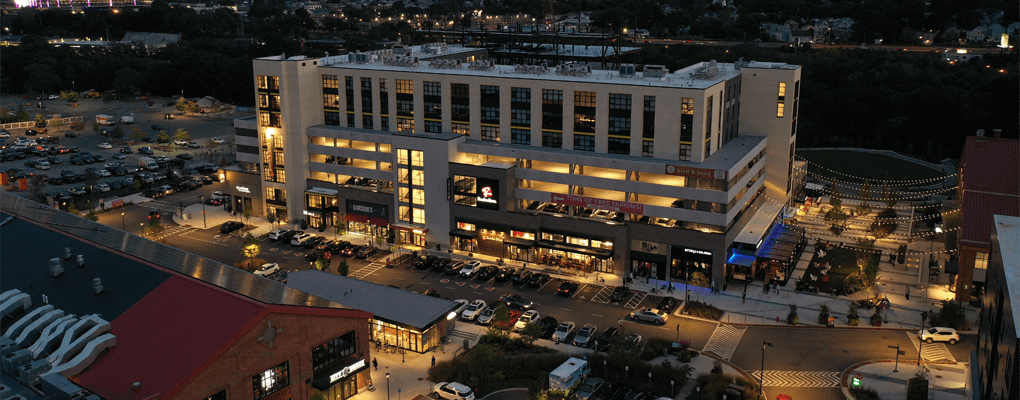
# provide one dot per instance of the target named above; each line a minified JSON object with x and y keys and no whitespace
{"x":724,"y":341}
{"x":462,"y":334}
{"x":932,"y":351}
{"x":367,"y":270}
{"x":792,"y":379}
{"x":636,"y":300}
{"x":603,"y":295}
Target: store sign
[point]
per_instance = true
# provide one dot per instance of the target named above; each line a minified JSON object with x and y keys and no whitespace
{"x":487,"y":193}
{"x":695,"y":251}
{"x":367,"y":209}
{"x":243,"y":189}
{"x":692,"y":172}
{"x":602,"y":204}
{"x":310,"y":213}
{"x":648,"y":247}
{"x":343,"y":373}
{"x":488,"y":234}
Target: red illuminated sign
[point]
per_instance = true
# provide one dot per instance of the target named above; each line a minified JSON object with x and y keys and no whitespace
{"x":602,"y":204}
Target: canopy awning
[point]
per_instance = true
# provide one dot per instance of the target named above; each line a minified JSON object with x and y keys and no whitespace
{"x":745,"y":260}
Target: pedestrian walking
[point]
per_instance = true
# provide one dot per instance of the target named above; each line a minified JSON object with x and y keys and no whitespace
{"x":433,"y":361}
{"x":712,"y":286}
{"x":743,"y":298}
{"x":102,"y":204}
{"x":776,"y":286}
{"x":375,"y":363}
{"x":908,"y":294}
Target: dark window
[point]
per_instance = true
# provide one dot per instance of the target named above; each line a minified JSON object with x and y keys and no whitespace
{"x":619,"y":126}
{"x":552,"y":119}
{"x":433,"y":88}
{"x":349,"y":85}
{"x":552,"y":96}
{"x":490,"y":133}
{"x":649,"y":103}
{"x":490,"y":93}
{"x":619,"y":146}
{"x":405,"y":108}
{"x":459,"y":91}
{"x":584,"y":142}
{"x":272,"y":380}
{"x":490,"y":115}
{"x":332,"y":118}
{"x":221,"y":395}
{"x":366,"y":84}
{"x":552,"y":139}
{"x":647,"y":148}
{"x":433,"y":109}
{"x":520,"y":117}
{"x":520,"y":95}
{"x":520,"y":136}
{"x":366,"y":122}
{"x":384,"y":123}
{"x":384,"y":102}
{"x":328,"y":354}
{"x":685,"y":152}
{"x":460,"y":112}
{"x":433,"y":126}
{"x":619,"y":101}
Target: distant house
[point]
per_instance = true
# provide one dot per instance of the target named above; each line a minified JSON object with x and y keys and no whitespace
{"x":994,"y":33}
{"x":976,"y":35}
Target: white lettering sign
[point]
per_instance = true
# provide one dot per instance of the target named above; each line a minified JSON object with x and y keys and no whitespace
{"x":359,"y":207}
{"x":243,"y":189}
{"x":702,"y":252}
{"x":341,"y":374}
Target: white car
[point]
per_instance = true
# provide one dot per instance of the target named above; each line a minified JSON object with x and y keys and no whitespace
{"x":218,"y":140}
{"x":193,"y":145}
{"x":105,"y":146}
{"x":937,"y":334}
{"x":650,"y":315}
{"x":461,"y":305}
{"x":563,"y":331}
{"x":470,"y":269}
{"x":274,"y":235}
{"x":301,"y":239}
{"x":5,"y":135}
{"x":53,"y":97}
{"x":486,"y":317}
{"x":528,"y":317}
{"x":179,"y":142}
{"x":268,"y":269}
{"x":41,"y":164}
{"x":453,"y":391}
{"x":102,"y":187}
{"x":218,"y":195}
{"x":473,"y":310}
{"x":102,"y":173}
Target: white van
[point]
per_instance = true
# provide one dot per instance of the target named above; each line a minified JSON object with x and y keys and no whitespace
{"x":148,"y":163}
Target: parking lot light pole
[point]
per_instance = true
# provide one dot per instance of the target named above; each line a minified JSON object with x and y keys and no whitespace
{"x":206,"y":224}
{"x":387,"y":386}
{"x":123,"y":222}
{"x":761,"y":374}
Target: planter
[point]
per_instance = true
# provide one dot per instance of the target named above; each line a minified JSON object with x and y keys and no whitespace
{"x":853,"y":322}
{"x":877,"y":323}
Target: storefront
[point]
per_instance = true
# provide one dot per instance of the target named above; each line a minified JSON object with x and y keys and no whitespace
{"x":343,"y":381}
{"x":693,"y":266}
{"x":520,"y":246}
{"x":778,"y":253}
{"x":321,"y":207}
{"x":494,"y":240}
{"x":648,"y":259}
{"x":240,"y":199}
{"x":367,"y":218}
{"x":740,"y":266}
{"x":241,"y":190}
{"x":410,"y":235}
{"x":575,"y":252}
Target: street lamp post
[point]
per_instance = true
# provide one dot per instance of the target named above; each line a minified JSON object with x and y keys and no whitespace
{"x":649,"y":379}
{"x":671,"y":383}
{"x":761,"y":374}
{"x":626,"y":372}
{"x":204,"y":223}
{"x":920,"y":340}
{"x":123,"y":222}
{"x":387,"y":386}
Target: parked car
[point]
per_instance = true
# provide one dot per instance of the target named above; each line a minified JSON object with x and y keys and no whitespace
{"x":363,"y":252}
{"x":300,"y":240}
{"x":607,"y":338}
{"x":454,"y":267}
{"x":538,"y":279}
{"x":473,"y":310}
{"x":230,"y":226}
{"x":590,"y":388}
{"x":311,"y":243}
{"x":453,"y":391}
{"x":505,"y":274}
{"x":939,"y":334}
{"x":276,"y":234}
{"x":184,"y":156}
{"x":568,"y":288}
{"x":585,"y":336}
{"x":267,"y":269}
{"x":470,"y":269}
{"x":438,"y":266}
{"x":525,"y":319}
{"x":462,"y":304}
{"x":521,"y":276}
{"x":218,"y":140}
{"x":668,"y":304}
{"x":486,"y":317}
{"x":487,"y":272}
{"x":514,"y":301}
{"x":126,"y":150}
{"x":425,"y":262}
{"x":651,"y":315}
{"x":146,"y":150}
{"x":548,"y":325}
{"x":619,"y":294}
{"x":563,"y":331}
{"x":118,"y":156}
{"x":102,"y":187}
{"x":105,"y":146}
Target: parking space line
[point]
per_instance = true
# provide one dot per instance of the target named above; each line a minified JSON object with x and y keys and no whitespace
{"x":636,"y":300}
{"x":602,"y":296}
{"x":579,"y":290}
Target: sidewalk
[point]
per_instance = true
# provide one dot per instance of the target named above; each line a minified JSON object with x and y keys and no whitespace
{"x":945,"y":381}
{"x":216,"y":216}
{"x":409,"y":371}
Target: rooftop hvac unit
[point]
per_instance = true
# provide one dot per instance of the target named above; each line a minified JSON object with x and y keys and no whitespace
{"x":29,"y":373}
{"x":655,"y":71}
{"x":55,"y":267}
{"x":626,"y":69}
{"x":16,"y":397}
{"x":97,"y":286}
{"x":402,"y":50}
{"x":10,"y":363}
{"x":5,"y":391}
{"x":359,"y":58}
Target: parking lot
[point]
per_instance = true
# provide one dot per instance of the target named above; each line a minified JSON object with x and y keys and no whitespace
{"x":89,"y":142}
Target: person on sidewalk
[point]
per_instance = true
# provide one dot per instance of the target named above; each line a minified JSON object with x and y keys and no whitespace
{"x":908,"y":294}
{"x":375,"y":363}
{"x":433,"y":361}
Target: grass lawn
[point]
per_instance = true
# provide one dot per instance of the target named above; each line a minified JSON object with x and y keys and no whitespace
{"x":864,"y":164}
{"x":843,"y":261}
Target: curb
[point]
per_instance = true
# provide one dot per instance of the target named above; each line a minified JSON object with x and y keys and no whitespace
{"x":845,"y":376}
{"x":503,"y":390}
{"x":739,"y":370}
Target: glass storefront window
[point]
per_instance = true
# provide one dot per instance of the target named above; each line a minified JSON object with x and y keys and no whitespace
{"x":552,"y":237}
{"x":466,"y":226}
{"x":522,"y":235}
{"x":577,"y":241}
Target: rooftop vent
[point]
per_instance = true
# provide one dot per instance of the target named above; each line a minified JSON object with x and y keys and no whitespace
{"x":97,"y":286}
{"x":655,"y":71}
{"x":481,"y":65}
{"x":402,"y":50}
{"x":707,"y":70}
{"x":401,"y":61}
{"x":626,"y":69}
{"x":56,"y":268}
{"x":572,"y":69}
{"x":530,"y":69}
{"x":980,"y":133}
{"x":445,"y":63}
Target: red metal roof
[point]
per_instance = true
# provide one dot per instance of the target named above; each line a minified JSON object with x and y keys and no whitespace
{"x":990,"y":169}
{"x":166,"y":336}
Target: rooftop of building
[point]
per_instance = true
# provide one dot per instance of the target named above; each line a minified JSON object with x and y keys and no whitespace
{"x":1007,"y":229}
{"x":439,"y":59}
{"x":385,"y":302}
{"x":990,"y":168}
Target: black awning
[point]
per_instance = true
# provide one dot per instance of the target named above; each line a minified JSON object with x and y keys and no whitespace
{"x":463,"y":233}
{"x":343,"y":371}
{"x":598,"y":253}
{"x":519,"y":242}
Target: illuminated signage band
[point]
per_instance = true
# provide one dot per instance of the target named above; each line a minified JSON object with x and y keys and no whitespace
{"x":243,"y":189}
{"x":692,"y":172}
{"x":602,"y":204}
{"x":486,"y":195}
{"x":702,"y":252}
{"x":341,"y":374}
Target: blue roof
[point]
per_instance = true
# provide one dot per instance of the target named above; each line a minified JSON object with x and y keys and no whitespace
{"x":741,"y":259}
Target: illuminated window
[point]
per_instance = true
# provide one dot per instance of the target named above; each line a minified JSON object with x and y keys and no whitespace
{"x":584,"y":99}
{"x":523,"y":235}
{"x":404,"y":86}
{"x":268,"y":82}
{"x":419,"y":216}
{"x":271,"y":380}
{"x":330,"y":82}
{"x":466,"y":226}
{"x":417,"y":158}
{"x":331,"y":100}
{"x":980,"y":260}
{"x":461,"y":129}
{"x":418,"y":197}
{"x":418,"y":177}
{"x":403,"y":175}
{"x":405,"y":124}
{"x":780,"y":109}
{"x":782,"y":89}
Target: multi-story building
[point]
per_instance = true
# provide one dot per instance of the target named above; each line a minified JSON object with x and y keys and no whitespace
{"x":645,"y":172}
{"x":989,"y":185}
{"x":998,"y":363}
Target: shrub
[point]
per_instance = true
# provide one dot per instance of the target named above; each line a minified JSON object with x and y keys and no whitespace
{"x":852,"y":318}
{"x":838,"y":228}
{"x":703,"y":310}
{"x":791,"y":318}
{"x":835,"y":215}
{"x":864,"y":394}
{"x":884,"y":224}
{"x":951,"y":315}
{"x":876,"y":318}
{"x":823,"y":315}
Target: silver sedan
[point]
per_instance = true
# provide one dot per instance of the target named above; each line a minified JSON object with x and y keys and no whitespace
{"x":650,"y":315}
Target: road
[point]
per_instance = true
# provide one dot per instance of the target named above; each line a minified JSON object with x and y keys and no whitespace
{"x":886,"y":47}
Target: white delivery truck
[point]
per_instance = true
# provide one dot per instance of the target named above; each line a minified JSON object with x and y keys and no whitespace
{"x":103,"y":119}
{"x":565,"y":379}
{"x":127,"y":119}
{"x":148,"y":163}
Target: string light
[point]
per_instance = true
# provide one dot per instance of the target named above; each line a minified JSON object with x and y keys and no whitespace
{"x":916,"y":195}
{"x":883,"y":181}
{"x":852,"y":185}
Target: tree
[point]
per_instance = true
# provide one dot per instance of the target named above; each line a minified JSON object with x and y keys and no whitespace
{"x":792,"y":318}
{"x":57,"y":123}
{"x":37,"y":188}
{"x":500,"y":320}
{"x":40,"y":121}
{"x":95,"y":127}
{"x":128,"y":81}
{"x":531,"y":333}
{"x":889,"y":196}
{"x":271,"y":219}
{"x":951,"y":315}
{"x":109,"y":96}
{"x":343,"y":268}
{"x":836,"y":197}
{"x":181,"y":104}
{"x":118,"y":133}
{"x":250,"y":248}
{"x":823,"y":314}
{"x":182,"y":134}
{"x":322,"y":264}
{"x":69,"y":95}
{"x":866,"y":193}
{"x":155,"y":229}
{"x":164,"y":137}
{"x":72,"y":208}
{"x":92,"y":215}
{"x":247,"y":212}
